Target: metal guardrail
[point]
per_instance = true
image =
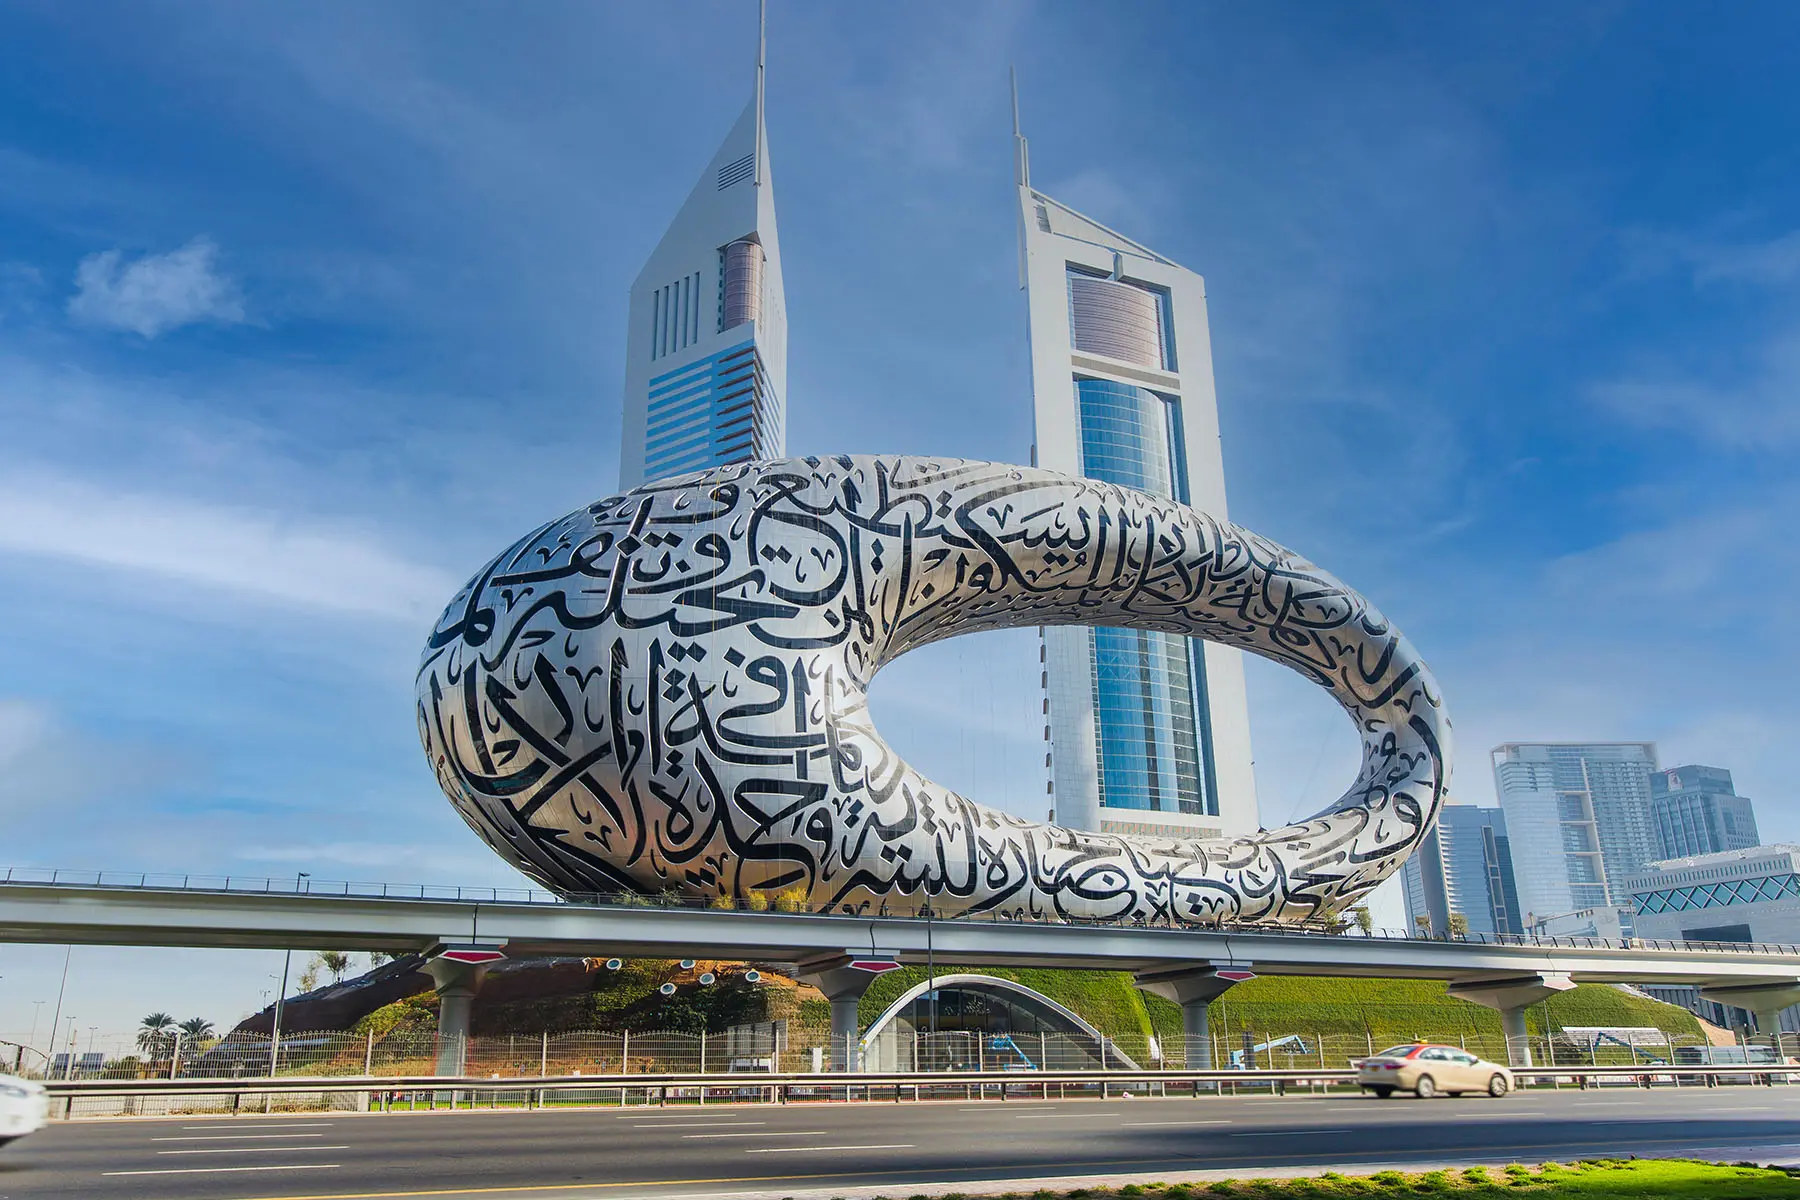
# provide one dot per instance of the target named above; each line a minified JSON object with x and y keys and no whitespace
{"x":351,"y":889}
{"x":784,"y":1087}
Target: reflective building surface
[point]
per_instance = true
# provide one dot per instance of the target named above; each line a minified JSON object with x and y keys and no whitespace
{"x":1580,"y":820}
{"x":666,"y":691}
{"x":1478,"y":871}
{"x":1749,"y":895}
{"x":706,"y":342}
{"x":1145,"y":731}
{"x":1698,"y":811}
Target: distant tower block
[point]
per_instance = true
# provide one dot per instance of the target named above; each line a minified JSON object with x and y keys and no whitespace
{"x":706,"y":346}
{"x":1146,"y":732}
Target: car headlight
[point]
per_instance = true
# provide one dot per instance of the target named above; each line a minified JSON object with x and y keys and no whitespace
{"x":13,"y":1092}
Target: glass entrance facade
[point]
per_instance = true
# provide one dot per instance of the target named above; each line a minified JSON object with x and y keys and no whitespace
{"x":1149,"y":688}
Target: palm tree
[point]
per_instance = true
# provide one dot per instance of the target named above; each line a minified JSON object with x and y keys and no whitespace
{"x":154,"y":1033}
{"x":195,"y":1028}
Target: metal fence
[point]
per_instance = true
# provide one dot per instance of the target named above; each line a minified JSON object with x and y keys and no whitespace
{"x":411,"y":1092}
{"x":800,"y":1047}
{"x":783,"y":902}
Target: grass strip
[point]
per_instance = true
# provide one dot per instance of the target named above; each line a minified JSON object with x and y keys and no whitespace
{"x":1587,"y":1179}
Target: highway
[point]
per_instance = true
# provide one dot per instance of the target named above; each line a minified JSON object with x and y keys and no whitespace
{"x":822,"y":1150}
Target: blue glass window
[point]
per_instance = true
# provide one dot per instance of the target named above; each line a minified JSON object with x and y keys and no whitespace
{"x":1153,"y":746}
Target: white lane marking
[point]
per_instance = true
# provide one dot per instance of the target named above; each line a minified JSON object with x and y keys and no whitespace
{"x":1003,"y":1105}
{"x":230,"y":1170}
{"x":701,"y":1125}
{"x":1292,"y":1132}
{"x":238,"y":1137}
{"x":1144,"y":1124}
{"x":795,"y":1133}
{"x":811,"y":1149}
{"x":260,"y":1125}
{"x":257,"y":1150}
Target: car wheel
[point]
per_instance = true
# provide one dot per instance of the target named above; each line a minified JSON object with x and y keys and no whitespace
{"x":1497,"y":1086}
{"x":1425,"y":1088}
{"x":1382,"y":1093}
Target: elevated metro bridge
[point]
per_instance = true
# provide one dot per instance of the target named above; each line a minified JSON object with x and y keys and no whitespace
{"x":1191,"y":965}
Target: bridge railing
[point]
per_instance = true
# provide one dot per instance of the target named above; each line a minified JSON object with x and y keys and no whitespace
{"x":781,"y":902}
{"x":145,"y":1098}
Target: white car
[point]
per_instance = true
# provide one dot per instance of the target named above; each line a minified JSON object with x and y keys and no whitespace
{"x":24,"y":1107}
{"x":1427,"y":1070}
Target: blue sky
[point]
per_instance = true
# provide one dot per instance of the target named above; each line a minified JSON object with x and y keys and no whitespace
{"x":305,"y":310}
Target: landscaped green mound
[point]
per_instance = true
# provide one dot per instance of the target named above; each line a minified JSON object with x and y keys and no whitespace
{"x":1348,"y":1016}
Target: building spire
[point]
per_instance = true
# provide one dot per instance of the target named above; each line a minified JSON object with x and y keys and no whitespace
{"x":762,"y":48}
{"x":1021,"y":154}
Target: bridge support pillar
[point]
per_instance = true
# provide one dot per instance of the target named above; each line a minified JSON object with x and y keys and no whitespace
{"x":456,"y":983}
{"x":1765,"y":1001}
{"x":1512,"y":995}
{"x":843,"y":982}
{"x":1194,"y":987}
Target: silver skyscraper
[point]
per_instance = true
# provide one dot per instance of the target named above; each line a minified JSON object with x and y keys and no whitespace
{"x":706,"y":349}
{"x":1146,"y":732}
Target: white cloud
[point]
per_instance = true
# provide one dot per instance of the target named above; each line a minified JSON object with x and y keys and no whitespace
{"x":157,"y":292}
{"x":42,"y":757}
{"x":1712,"y":259}
{"x":1776,"y":261}
{"x":22,"y":727}
{"x":1104,"y":196}
{"x":235,"y":549}
{"x":1760,"y":411}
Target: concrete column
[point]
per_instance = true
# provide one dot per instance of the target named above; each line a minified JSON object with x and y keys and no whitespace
{"x":1512,"y":995}
{"x":1518,"y":1044}
{"x":843,"y":985}
{"x":1194,"y":986}
{"x":1765,"y":1000}
{"x":457,"y":983}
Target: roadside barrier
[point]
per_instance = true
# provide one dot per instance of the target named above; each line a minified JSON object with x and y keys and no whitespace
{"x":78,"y":1098}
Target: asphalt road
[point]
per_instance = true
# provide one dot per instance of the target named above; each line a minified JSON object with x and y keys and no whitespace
{"x":721,"y":1150}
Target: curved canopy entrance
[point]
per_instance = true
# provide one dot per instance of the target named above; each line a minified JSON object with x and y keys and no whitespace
{"x":969,"y":1022}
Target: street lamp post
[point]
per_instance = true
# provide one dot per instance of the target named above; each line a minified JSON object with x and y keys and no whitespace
{"x":56,"y":1017}
{"x":287,"y":963}
{"x":37,"y":1011}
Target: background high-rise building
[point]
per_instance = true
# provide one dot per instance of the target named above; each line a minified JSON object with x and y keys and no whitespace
{"x":1579,"y":818}
{"x":1478,"y":871}
{"x":1750,"y":895}
{"x":1148,"y":732}
{"x":1698,"y":812}
{"x":706,"y":343}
